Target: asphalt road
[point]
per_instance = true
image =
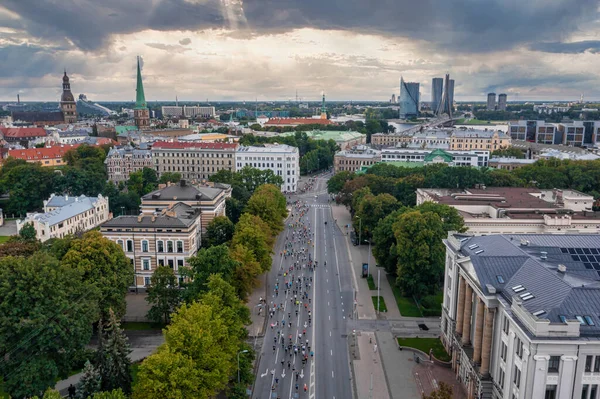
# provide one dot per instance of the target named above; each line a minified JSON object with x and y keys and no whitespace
{"x":327,"y":374}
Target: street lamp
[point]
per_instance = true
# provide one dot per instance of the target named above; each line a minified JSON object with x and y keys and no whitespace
{"x":238,"y":356}
{"x":359,"y":229}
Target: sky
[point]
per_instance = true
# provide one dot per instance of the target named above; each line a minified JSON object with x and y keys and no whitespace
{"x":269,"y":49}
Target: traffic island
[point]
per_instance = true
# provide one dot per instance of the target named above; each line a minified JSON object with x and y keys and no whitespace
{"x":382,"y":307}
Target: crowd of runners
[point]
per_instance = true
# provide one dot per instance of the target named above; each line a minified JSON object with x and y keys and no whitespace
{"x":290,"y":311}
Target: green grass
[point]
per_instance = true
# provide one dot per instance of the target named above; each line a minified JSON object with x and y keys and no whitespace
{"x":371,"y":282}
{"x":424,"y":344}
{"x":134,"y":372}
{"x":406,"y":306}
{"x":3,"y":395}
{"x":382,"y":307}
{"x":137,"y":326}
{"x":3,"y":239}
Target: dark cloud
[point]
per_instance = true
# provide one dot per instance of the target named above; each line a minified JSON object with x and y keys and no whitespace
{"x":474,"y":26}
{"x":589,"y":46}
{"x":168,"y":47}
{"x":185,"y":41}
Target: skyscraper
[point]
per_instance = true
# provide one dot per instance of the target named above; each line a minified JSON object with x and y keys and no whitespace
{"x":409,"y":99}
{"x":141,"y":114}
{"x":437,"y":88}
{"x":502,"y":102}
{"x":450,"y":90}
{"x":491,"y":102}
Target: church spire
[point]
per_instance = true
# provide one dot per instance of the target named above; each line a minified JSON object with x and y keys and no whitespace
{"x":323,"y":109}
{"x":140,"y":99}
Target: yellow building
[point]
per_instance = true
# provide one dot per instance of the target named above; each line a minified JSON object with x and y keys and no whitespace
{"x":479,"y":140}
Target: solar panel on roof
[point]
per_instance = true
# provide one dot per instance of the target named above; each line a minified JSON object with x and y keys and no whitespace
{"x":589,"y":320}
{"x":594,"y":251}
{"x":579,"y":250}
{"x":586,"y":250}
{"x":528,"y":297}
{"x":562,"y":318}
{"x":588,"y":265}
{"x":500,"y":279}
{"x":564,"y":250}
{"x":571,"y":250}
{"x":539,"y":313}
{"x":580,"y":319}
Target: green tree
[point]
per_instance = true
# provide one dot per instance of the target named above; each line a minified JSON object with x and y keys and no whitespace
{"x":18,"y":247}
{"x":247,"y":271}
{"x":451,"y":219}
{"x":253,"y":233}
{"x":46,"y":316}
{"x":269,"y":204}
{"x":113,"y":362}
{"x":218,"y":231}
{"x":27,"y":185}
{"x":207,"y":261}
{"x":511,"y":152}
{"x":234,"y":209}
{"x":172,"y":177}
{"x":384,"y":248}
{"x":114,"y":394}
{"x":420,"y":252}
{"x":104,"y":264}
{"x":90,"y":381}
{"x":135,"y":183}
{"x":164,"y":295}
{"x":150,"y":180}
{"x":337,"y":181}
{"x":443,"y":391}
{"x":28,"y":232}
{"x":50,"y":394}
{"x":373,"y":208}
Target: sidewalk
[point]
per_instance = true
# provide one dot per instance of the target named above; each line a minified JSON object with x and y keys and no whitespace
{"x":257,"y":327}
{"x":366,"y":364}
{"x":398,"y":366}
{"x":359,"y":255}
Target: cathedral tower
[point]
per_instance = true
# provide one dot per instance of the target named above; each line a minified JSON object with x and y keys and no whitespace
{"x":68,"y":106}
{"x":141,"y":114}
{"x":323,"y":109}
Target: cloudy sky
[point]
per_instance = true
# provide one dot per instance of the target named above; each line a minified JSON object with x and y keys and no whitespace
{"x":268,"y":49}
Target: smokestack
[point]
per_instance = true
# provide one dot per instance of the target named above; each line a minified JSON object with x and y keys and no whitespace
{"x":18,"y":99}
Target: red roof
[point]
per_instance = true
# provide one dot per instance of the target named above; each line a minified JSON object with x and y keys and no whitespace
{"x":105,"y":140}
{"x":177,"y":145}
{"x":23,"y":132}
{"x":39,"y":154}
{"x":298,"y":121}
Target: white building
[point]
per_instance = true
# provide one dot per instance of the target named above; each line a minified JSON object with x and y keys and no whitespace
{"x":188,"y":112}
{"x":550,"y":108}
{"x":518,"y":210}
{"x":282,"y":159}
{"x":67,"y":215}
{"x":520,"y":315}
{"x":452,"y":158}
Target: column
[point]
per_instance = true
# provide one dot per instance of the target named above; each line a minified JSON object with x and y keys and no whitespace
{"x":509,"y":362}
{"x":565,"y":379}
{"x":486,"y":346}
{"x":466,"y":328}
{"x":540,"y":370}
{"x":460,"y":308}
{"x":478,"y":331}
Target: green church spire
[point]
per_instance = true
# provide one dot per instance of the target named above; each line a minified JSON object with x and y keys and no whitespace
{"x":323,"y":109}
{"x":140,"y":99}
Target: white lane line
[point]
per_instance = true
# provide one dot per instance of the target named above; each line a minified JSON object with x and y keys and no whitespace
{"x":332,"y":374}
{"x":331,"y":352}
{"x":337,"y":265}
{"x":313,"y":364}
{"x":329,"y":317}
{"x":330,"y":333}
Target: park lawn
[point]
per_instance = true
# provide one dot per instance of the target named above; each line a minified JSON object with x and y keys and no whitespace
{"x":382,"y":307}
{"x":406,"y":306}
{"x":424,"y":344}
{"x":371,"y":282}
{"x":3,"y":239}
{"x":138,"y":326}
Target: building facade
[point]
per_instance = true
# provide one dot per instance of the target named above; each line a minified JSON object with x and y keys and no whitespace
{"x":193,"y":111}
{"x":471,"y":139}
{"x":389,"y":140}
{"x":474,"y":158}
{"x":282,"y":159}
{"x":520,"y":315}
{"x":355,"y":158}
{"x":121,"y":162}
{"x":194,"y":161}
{"x":24,"y":136}
{"x":166,"y":238}
{"x":209,"y":198}
{"x":64,"y":215}
{"x":502,"y":102}
{"x":518,"y":210}
{"x":575,"y":133}
{"x":437,"y":88}
{"x":409,"y":99}
{"x":509,"y":163}
{"x":491,"y":102}
{"x":345,"y":139}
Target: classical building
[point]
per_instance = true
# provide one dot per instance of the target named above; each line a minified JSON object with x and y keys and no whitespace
{"x":345,"y":139}
{"x":194,"y":161}
{"x":120,"y":162}
{"x":509,"y":163}
{"x":67,"y":112}
{"x":390,"y":140}
{"x":516,"y":210}
{"x":283,"y":122}
{"x":520,"y":315}
{"x":167,"y":238}
{"x":209,"y":198}
{"x":475,"y":158}
{"x":141,"y":113}
{"x":64,"y":215}
{"x":471,"y":139}
{"x":24,"y":136}
{"x":355,"y":158}
{"x":188,"y":111}
{"x":282,"y":159}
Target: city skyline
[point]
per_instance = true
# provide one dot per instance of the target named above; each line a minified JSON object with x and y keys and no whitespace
{"x":235,"y":50}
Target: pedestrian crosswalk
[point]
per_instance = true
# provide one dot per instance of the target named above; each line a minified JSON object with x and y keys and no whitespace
{"x":318,"y":206}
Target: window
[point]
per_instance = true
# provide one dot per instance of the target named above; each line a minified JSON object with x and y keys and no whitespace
{"x":517,"y":377}
{"x":553,"y":364}
{"x":179,"y":263}
{"x":179,"y":247}
{"x":170,"y":246}
{"x":584,"y":391}
{"x":161,"y":262}
{"x":503,"y":351}
{"x":550,"y":392}
{"x":597,"y":364}
{"x":519,"y":348}
{"x":170,"y":263}
{"x":144,"y":246}
{"x":129,"y":246}
{"x":588,"y":363}
{"x":501,"y":378}
{"x":120,"y":243}
{"x":160,"y":246}
{"x":147,"y":281}
{"x":505,"y":325}
{"x":146,"y":264}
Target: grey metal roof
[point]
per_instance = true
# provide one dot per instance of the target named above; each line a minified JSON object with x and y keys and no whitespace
{"x":184,"y":217}
{"x":187,"y":192}
{"x":66,"y":211}
{"x":532,"y":261}
{"x":62,"y":200}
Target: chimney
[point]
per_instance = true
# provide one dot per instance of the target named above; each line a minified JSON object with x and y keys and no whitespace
{"x":562,"y":268}
{"x":544,"y":255}
{"x":182,"y":183}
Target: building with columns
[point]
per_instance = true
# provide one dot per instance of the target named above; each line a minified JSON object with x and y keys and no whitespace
{"x":521,"y":315}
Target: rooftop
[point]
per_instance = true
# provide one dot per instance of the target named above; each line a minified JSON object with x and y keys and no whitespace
{"x":58,"y":201}
{"x":176,"y":145}
{"x":183,"y":191}
{"x":512,"y":160}
{"x":39,"y":154}
{"x":335,"y":135}
{"x":68,"y":210}
{"x":298,"y":121}
{"x":179,"y":215}
{"x":274,"y":148}
{"x":472,"y":133}
{"x":23,"y":132}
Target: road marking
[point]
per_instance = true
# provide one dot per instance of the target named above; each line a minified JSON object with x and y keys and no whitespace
{"x":332,"y":374}
{"x":337,"y":265}
{"x":266,"y":372}
{"x":327,"y":303}
{"x":329,"y":317}
{"x":330,"y":333}
{"x":312,"y":379}
{"x":331,"y":351}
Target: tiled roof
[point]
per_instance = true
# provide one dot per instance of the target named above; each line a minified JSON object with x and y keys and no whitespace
{"x":39,"y":154}
{"x":176,"y":145}
{"x":22,"y":132}
{"x":298,"y":121}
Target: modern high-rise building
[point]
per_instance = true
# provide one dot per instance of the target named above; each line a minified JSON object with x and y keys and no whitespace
{"x":409,"y":99}
{"x":502,"y":102}
{"x":450,"y":90}
{"x":491,"y":102}
{"x":141,"y":113}
{"x":437,"y":88}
